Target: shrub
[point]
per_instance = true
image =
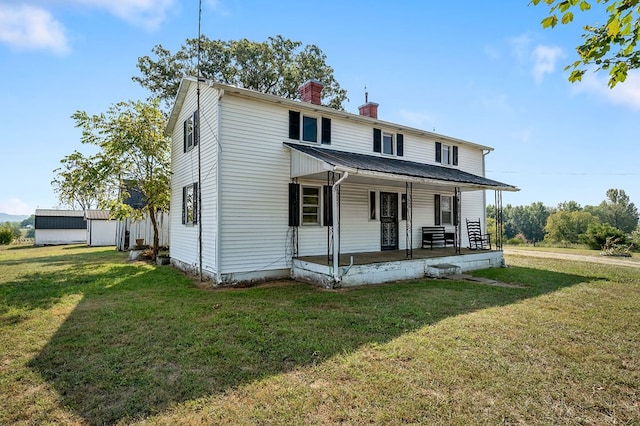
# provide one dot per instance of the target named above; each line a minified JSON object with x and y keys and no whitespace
{"x":6,"y":235}
{"x":600,"y":235}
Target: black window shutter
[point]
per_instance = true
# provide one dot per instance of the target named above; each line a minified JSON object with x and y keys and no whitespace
{"x":294,"y":125}
{"x":438,"y":152}
{"x":294,"y":204}
{"x":455,"y":155}
{"x":327,"y":198}
{"x":196,"y":128}
{"x":195,"y":203}
{"x":184,"y":137}
{"x":326,"y":131}
{"x":372,"y":205}
{"x":184,"y":205}
{"x":377,"y":140}
{"x":456,"y":206}
{"x":400,"y":144}
{"x":403,"y":206}
{"x":436,"y":210}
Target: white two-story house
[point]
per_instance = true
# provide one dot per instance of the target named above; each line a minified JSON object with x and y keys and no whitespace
{"x":265,"y":187}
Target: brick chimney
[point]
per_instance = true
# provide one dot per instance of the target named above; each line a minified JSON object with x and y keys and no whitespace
{"x":370,"y":109}
{"x":311,"y":91}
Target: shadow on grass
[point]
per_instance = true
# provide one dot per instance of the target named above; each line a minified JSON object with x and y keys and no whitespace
{"x":153,"y":340}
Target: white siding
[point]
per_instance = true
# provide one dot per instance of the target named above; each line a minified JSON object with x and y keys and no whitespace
{"x":348,"y":135}
{"x":246,"y":170}
{"x":184,"y":166}
{"x":128,"y":231}
{"x":101,"y":232}
{"x":60,"y":236}
{"x":254,"y":186}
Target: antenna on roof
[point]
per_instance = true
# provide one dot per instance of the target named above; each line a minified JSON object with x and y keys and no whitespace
{"x":197,"y":123}
{"x":366,"y":95}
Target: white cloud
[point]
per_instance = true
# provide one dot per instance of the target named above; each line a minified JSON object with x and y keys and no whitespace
{"x":545,"y":58}
{"x":417,"y":119}
{"x":520,"y":47}
{"x":541,"y":58}
{"x":29,"y":27}
{"x":626,"y":94}
{"x":522,"y":135}
{"x":145,"y":13}
{"x":491,"y":52}
{"x":15,"y":206}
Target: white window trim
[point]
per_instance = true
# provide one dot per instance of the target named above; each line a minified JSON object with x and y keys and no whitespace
{"x":449,"y":150}
{"x":193,"y":206}
{"x":302,"y":205}
{"x":394,"y":150}
{"x":318,"y":128}
{"x":450,"y":211}
{"x":190,"y":135}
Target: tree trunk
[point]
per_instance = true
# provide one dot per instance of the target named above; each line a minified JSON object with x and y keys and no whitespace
{"x":156,"y":238}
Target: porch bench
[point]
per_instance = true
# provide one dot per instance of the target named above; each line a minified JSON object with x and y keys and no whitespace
{"x":436,"y":235}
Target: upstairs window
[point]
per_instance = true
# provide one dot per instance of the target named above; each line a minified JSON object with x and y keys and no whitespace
{"x":308,"y":128}
{"x":190,"y":132}
{"x":388,"y":143}
{"x":446,"y":154}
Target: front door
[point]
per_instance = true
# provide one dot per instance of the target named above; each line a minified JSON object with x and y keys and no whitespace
{"x":389,"y":220}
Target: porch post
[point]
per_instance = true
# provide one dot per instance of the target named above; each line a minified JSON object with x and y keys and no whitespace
{"x":408,"y":191}
{"x":336,"y":231}
{"x":499,"y":219}
{"x":457,"y":202}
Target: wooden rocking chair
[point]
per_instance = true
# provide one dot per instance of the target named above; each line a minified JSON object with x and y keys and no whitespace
{"x":477,"y":240}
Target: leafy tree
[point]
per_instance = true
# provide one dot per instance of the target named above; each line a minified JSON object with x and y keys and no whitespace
{"x":635,"y":238}
{"x":566,"y":226}
{"x":277,"y":66}
{"x":84,"y":182}
{"x":133,"y":147}
{"x":569,"y":206}
{"x":526,"y":220}
{"x":31,"y":220}
{"x":9,"y":231}
{"x":597,"y":235}
{"x":611,"y":46}
{"x":618,"y":211}
{"x":6,"y":236}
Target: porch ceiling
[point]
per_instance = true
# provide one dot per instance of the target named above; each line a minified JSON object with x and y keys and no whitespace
{"x":312,"y":161}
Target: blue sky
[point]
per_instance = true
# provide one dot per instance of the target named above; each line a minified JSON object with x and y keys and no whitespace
{"x":481,"y":71}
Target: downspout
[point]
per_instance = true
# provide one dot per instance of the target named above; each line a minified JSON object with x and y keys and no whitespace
{"x":336,"y":235}
{"x":218,"y":151}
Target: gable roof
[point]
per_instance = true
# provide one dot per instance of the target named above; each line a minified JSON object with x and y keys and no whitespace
{"x":396,"y":169}
{"x":96,"y":214}
{"x":60,"y":213}
{"x":224,"y":89}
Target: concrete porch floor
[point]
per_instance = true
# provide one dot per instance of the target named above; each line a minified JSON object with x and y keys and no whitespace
{"x":386,"y":266}
{"x":364,"y":258}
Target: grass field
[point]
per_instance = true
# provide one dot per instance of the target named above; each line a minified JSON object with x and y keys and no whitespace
{"x":88,"y":338}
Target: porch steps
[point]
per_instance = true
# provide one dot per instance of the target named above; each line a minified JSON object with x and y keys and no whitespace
{"x":441,"y":270}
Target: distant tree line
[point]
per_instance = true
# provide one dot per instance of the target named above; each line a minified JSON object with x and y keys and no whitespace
{"x":10,"y":231}
{"x":613,"y":221}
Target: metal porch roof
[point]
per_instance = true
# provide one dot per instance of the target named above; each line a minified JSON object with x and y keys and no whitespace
{"x":395,"y":169}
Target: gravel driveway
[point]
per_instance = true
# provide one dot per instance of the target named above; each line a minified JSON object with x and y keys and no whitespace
{"x":608,"y":260}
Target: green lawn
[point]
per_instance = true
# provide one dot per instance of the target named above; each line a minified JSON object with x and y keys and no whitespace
{"x":88,"y":338}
